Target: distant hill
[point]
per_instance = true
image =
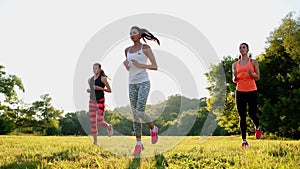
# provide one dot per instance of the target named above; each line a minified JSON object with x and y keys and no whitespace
{"x":167,"y":110}
{"x":174,"y":104}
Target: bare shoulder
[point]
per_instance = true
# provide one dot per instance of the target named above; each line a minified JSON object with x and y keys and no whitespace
{"x":146,"y":46}
{"x":126,"y":50}
{"x":254,"y":61}
{"x":234,"y":64}
{"x":104,"y":79}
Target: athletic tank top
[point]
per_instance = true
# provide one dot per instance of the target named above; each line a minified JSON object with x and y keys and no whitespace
{"x":137,"y":75}
{"x":245,"y":82}
{"x":96,"y":94}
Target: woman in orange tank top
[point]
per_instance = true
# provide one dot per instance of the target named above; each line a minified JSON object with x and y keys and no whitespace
{"x":245,"y":72}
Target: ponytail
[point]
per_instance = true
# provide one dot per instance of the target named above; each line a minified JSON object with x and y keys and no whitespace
{"x":102,"y":73}
{"x":146,"y":34}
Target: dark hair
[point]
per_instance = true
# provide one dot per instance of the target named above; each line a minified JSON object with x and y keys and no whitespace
{"x":247,"y":48}
{"x":245,"y":45}
{"x":146,"y":34}
{"x":102,"y":73}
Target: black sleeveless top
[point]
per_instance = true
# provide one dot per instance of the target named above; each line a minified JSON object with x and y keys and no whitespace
{"x":96,"y":94}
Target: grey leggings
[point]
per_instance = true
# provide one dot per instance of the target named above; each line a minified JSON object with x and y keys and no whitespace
{"x":138,"y":94}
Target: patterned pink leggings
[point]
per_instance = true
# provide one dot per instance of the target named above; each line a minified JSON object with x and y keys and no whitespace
{"x":97,"y":115}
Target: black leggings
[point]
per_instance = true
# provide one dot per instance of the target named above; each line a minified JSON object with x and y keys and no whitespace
{"x":242,"y":98}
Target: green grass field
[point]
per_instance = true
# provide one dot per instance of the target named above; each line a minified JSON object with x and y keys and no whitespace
{"x":114,"y":152}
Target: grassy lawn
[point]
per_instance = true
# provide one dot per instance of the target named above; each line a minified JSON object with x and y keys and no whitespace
{"x":169,"y":152}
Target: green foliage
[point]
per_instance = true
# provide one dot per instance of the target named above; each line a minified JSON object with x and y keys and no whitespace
{"x":6,"y":125}
{"x":26,"y":121}
{"x":222,"y":100}
{"x":8,"y":84}
{"x":280,"y":80}
{"x":70,"y":124}
{"x":122,"y":124}
{"x":52,"y":130}
{"x":47,"y":114}
{"x":7,"y":88}
{"x":177,"y":114}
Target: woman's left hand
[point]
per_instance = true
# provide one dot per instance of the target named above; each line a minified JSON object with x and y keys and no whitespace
{"x":250,"y":72}
{"x":136,"y":63}
{"x":254,"y":75}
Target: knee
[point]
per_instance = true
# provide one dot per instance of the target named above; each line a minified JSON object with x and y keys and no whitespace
{"x":140,"y":114}
{"x":242,"y":118}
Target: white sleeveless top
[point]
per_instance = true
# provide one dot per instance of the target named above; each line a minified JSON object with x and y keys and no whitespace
{"x":137,"y":75}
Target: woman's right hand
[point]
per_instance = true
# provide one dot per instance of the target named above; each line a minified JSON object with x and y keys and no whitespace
{"x":234,"y":73}
{"x":126,"y":64}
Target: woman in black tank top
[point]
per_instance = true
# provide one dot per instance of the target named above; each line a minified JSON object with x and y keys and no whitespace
{"x":96,"y":94}
{"x":98,"y":85}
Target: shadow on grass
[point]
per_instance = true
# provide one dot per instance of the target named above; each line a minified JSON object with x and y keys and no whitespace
{"x":21,"y":165}
{"x":161,"y":161}
{"x":135,"y":163}
{"x":34,"y":161}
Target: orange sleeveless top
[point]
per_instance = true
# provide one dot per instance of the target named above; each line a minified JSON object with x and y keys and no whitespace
{"x":245,"y":82}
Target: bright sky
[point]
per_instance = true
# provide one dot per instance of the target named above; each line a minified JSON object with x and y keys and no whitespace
{"x":41,"y":41}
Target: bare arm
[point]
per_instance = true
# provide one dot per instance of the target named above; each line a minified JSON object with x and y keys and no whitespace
{"x":106,"y":88}
{"x":148,"y":52}
{"x":256,"y":74}
{"x":88,"y":90}
{"x":126,"y":62}
{"x":234,"y":73}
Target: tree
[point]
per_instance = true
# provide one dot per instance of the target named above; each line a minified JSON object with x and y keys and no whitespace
{"x":46,"y":114}
{"x":7,"y":125}
{"x":8,"y":84}
{"x":280,"y":80}
{"x":222,"y":95}
{"x":7,"y":89}
{"x":25,"y":118}
{"x":70,"y":124}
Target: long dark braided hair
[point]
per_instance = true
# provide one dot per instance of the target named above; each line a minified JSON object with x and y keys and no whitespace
{"x":146,"y":34}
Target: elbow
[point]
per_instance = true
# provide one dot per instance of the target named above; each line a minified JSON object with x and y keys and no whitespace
{"x":234,"y":80}
{"x":257,"y":77}
{"x":154,"y":67}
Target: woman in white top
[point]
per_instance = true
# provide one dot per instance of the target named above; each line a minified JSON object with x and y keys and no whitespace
{"x":139,"y":84}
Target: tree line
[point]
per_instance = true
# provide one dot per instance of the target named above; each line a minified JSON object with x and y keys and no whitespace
{"x":278,"y":100}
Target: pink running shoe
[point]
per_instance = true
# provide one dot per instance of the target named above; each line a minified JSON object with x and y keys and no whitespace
{"x":245,"y":144}
{"x":154,"y":135}
{"x":258,"y":133}
{"x":138,"y":149}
